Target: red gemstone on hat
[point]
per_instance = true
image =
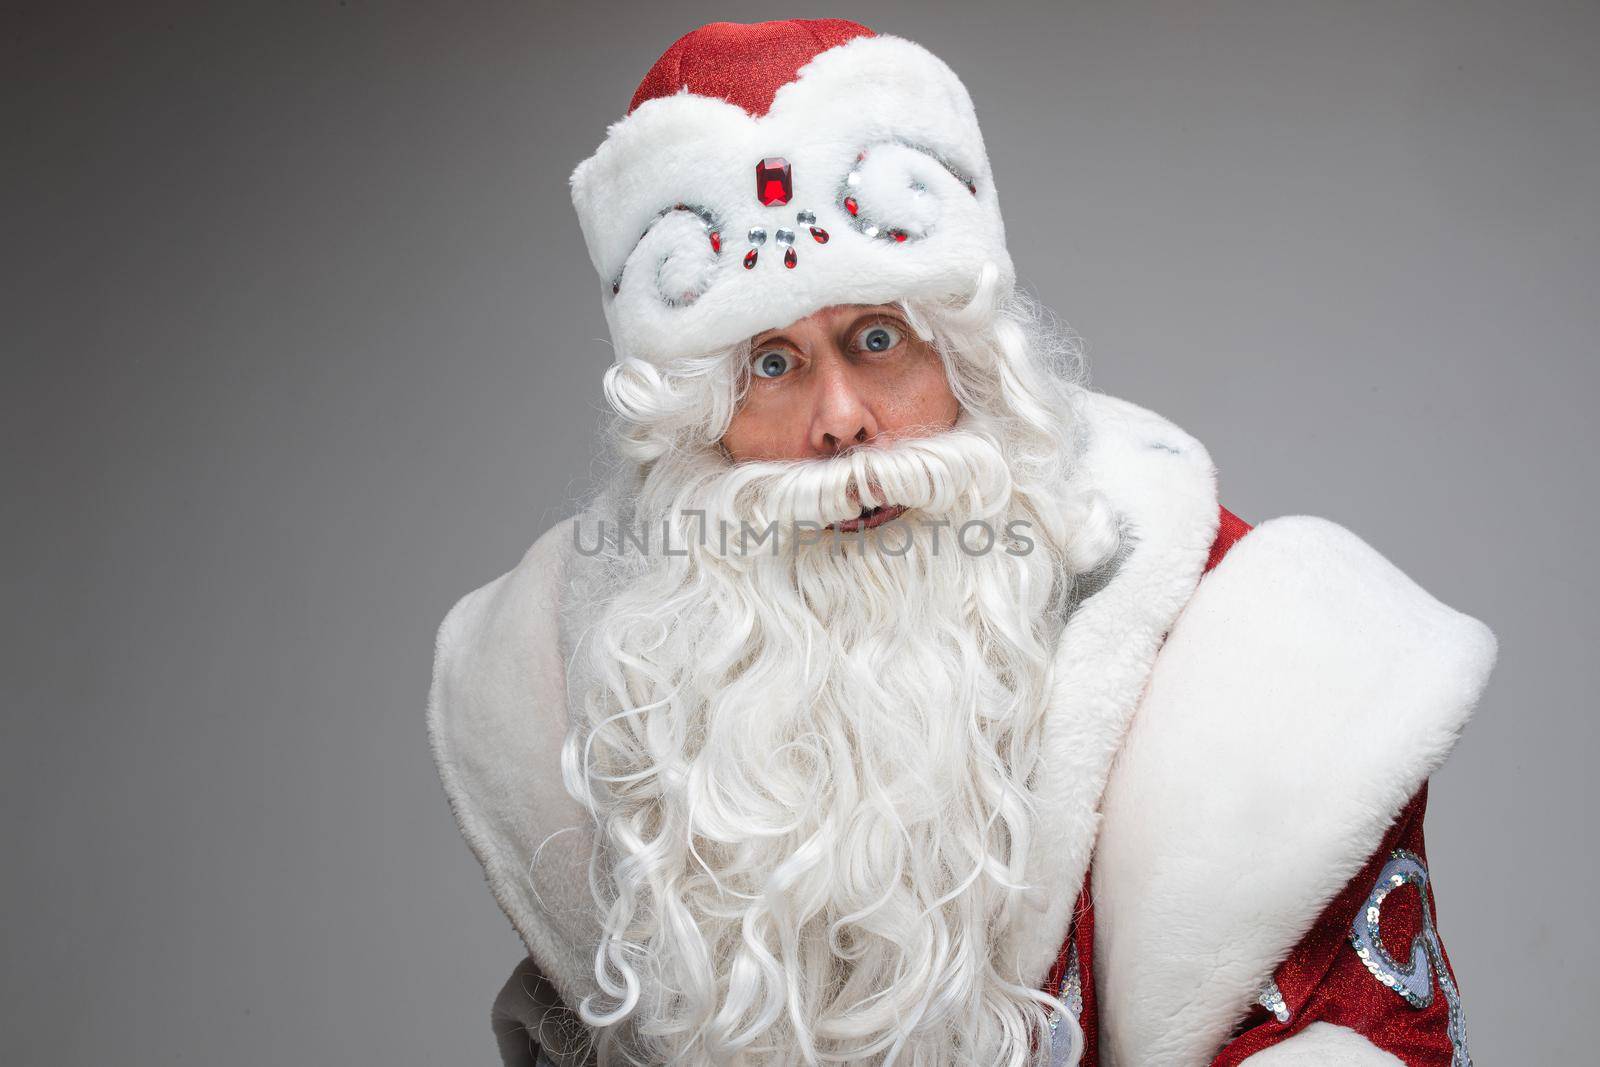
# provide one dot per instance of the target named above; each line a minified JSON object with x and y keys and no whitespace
{"x":773,"y":182}
{"x":790,"y":259}
{"x":749,"y":259}
{"x":819,"y":235}
{"x":850,"y":205}
{"x":716,"y":241}
{"x":899,"y":235}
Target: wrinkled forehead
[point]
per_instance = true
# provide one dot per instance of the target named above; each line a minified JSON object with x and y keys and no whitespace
{"x":866,"y":182}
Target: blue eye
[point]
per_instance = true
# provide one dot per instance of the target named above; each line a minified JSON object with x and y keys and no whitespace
{"x":879,"y":338}
{"x":773,"y":364}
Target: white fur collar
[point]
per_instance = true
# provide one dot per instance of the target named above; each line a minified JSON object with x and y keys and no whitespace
{"x":1306,"y":692}
{"x":1161,"y":483}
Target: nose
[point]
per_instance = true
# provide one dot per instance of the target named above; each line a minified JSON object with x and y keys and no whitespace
{"x":842,"y":416}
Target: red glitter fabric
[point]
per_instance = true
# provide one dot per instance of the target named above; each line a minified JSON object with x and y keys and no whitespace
{"x":1229,"y":530}
{"x":743,"y":63}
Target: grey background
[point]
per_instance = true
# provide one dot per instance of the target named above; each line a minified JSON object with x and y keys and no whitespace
{"x":301,"y":344}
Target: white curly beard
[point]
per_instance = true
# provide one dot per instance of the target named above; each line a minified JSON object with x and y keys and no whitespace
{"x":810,"y":763}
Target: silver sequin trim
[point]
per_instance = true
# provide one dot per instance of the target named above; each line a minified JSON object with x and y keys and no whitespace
{"x":1271,"y":998}
{"x":1412,"y":981}
{"x":1071,"y":994}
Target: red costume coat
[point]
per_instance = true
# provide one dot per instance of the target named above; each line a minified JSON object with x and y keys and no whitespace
{"x":1399,"y":1001}
{"x":1240,"y":733}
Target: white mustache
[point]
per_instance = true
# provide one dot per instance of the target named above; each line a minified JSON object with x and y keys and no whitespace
{"x":959,"y":471}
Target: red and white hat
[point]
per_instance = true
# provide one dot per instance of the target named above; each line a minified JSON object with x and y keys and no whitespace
{"x":765,"y":171}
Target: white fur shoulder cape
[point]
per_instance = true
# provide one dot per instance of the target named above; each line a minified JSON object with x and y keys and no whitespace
{"x":1231,"y":751}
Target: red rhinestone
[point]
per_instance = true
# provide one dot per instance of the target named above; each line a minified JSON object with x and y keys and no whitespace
{"x":614,"y":287}
{"x":899,"y":235}
{"x":773,"y":182}
{"x":850,"y":205}
{"x":749,"y":259}
{"x":819,"y":235}
{"x":790,"y":259}
{"x":716,"y":241}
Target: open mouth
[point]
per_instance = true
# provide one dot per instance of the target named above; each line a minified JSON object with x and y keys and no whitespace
{"x":869,"y":518}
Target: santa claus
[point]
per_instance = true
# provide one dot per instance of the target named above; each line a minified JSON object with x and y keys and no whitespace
{"x":899,"y":699}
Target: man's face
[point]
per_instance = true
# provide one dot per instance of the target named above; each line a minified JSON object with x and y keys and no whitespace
{"x":847,"y":375}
